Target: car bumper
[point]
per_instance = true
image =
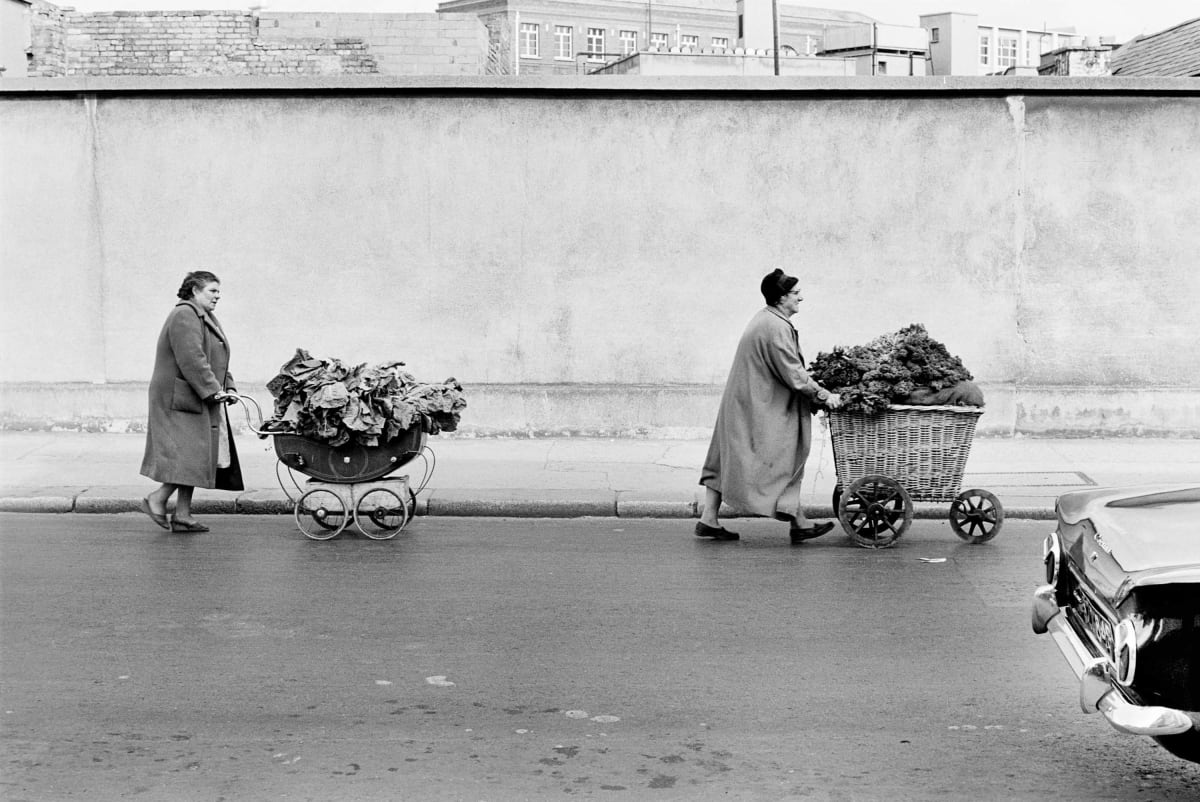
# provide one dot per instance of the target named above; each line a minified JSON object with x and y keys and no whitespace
{"x":1097,"y":690}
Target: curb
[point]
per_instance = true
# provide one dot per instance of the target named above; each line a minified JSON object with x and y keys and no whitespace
{"x":458,"y":504}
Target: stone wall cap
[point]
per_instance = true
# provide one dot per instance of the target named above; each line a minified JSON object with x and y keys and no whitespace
{"x":607,"y":84}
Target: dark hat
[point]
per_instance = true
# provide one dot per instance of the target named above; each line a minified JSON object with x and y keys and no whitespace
{"x":777,"y":284}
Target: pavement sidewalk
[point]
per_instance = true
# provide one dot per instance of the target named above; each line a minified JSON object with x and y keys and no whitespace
{"x":60,"y":472}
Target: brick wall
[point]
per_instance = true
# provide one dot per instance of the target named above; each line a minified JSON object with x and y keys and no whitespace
{"x":182,"y":43}
{"x":402,"y":44}
{"x":48,"y":40}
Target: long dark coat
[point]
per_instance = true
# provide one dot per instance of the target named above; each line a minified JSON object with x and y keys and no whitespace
{"x":191,"y":363}
{"x":763,"y":433}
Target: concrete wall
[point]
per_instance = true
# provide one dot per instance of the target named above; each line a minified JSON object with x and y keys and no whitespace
{"x":584,"y":255}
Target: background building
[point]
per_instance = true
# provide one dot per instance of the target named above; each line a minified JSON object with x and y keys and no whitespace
{"x":538,"y":37}
{"x":877,"y":49}
{"x":15,"y":40}
{"x":961,"y":44}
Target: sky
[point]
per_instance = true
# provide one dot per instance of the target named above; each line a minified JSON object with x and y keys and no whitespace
{"x":1122,"y":19}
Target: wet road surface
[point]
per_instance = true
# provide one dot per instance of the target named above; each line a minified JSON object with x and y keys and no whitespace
{"x":499,"y":659}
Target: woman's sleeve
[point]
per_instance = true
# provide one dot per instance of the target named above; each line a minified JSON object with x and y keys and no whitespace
{"x":784,"y":360}
{"x":186,"y":335}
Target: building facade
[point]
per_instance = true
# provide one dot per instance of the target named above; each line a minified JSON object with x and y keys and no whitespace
{"x":16,"y":43}
{"x":962,"y":44}
{"x":877,"y":49}
{"x":561,"y":37}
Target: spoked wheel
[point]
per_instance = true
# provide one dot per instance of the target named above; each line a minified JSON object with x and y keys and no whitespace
{"x":380,"y":514}
{"x":321,"y":514}
{"x":976,"y":516}
{"x":875,"y":511}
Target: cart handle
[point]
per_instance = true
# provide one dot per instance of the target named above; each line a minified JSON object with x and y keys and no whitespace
{"x":247,"y":401}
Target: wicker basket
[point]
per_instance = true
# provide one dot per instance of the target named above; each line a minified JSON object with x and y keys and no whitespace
{"x":923,"y":448}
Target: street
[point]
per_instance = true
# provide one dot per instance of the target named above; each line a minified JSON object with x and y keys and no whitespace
{"x":510,"y":659}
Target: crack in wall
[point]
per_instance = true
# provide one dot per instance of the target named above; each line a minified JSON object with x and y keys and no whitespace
{"x":96,"y":218}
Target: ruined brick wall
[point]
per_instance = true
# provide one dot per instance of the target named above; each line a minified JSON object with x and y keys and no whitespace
{"x":48,"y":42}
{"x":403,"y":44}
{"x":182,"y":43}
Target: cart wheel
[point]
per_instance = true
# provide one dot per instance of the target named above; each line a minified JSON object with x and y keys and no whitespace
{"x":976,"y":516}
{"x":875,"y":511}
{"x":380,"y":514}
{"x":321,"y":514}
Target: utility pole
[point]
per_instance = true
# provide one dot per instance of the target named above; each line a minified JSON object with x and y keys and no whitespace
{"x":775,"y":32}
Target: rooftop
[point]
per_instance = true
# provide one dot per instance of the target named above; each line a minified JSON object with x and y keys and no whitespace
{"x":1173,"y":52}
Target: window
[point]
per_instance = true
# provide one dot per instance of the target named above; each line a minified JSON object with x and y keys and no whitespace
{"x":983,"y":49}
{"x":659,"y":41}
{"x":720,"y":43}
{"x":595,"y":43}
{"x":1006,"y":51}
{"x":628,"y":42}
{"x":690,"y":41}
{"x":933,"y":36}
{"x":529,"y":39}
{"x":881,"y":68}
{"x":562,"y":41}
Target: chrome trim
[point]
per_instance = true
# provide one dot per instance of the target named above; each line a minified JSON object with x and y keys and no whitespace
{"x":1045,"y":607}
{"x":1097,"y":688}
{"x":1125,"y":637}
{"x":1052,"y":547}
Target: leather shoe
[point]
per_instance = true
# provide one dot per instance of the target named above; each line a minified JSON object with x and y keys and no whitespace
{"x":187,"y":526}
{"x":715,"y":532}
{"x":800,"y":535}
{"x":160,"y":519}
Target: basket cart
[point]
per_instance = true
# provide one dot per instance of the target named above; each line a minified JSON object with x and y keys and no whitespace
{"x":887,"y":461}
{"x":349,"y":483}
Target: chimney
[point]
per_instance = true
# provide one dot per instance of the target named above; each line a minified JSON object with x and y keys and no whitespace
{"x":756,"y":24}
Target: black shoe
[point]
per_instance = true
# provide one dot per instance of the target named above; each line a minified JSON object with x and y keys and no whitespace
{"x":715,"y":532}
{"x":800,"y":535}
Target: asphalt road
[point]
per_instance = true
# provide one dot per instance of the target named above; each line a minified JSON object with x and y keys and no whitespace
{"x":500,"y":659}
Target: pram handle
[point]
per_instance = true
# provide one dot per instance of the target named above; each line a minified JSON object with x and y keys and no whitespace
{"x":247,"y":401}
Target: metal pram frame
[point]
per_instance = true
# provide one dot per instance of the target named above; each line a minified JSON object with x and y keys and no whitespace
{"x":347,"y":484}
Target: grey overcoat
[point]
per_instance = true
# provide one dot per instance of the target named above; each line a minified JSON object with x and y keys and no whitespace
{"x":191,"y":363}
{"x":763,"y":432}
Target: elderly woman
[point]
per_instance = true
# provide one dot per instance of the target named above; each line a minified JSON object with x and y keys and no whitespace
{"x":188,"y":442}
{"x":763,"y":435}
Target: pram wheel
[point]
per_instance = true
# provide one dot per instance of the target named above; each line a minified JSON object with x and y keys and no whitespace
{"x":321,"y":514}
{"x":976,"y":516}
{"x":875,"y":511}
{"x":380,"y":514}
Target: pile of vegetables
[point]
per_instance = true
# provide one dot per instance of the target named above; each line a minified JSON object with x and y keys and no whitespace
{"x":335,"y":403}
{"x":905,"y":367}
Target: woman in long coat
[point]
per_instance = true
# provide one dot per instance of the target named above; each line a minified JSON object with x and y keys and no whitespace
{"x":188,"y":440}
{"x":763,"y":434}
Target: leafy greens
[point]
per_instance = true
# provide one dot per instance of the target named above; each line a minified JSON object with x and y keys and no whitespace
{"x":332,"y":402}
{"x":895,"y":368}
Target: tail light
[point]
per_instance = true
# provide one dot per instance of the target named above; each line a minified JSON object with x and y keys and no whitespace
{"x":1052,"y":555}
{"x":1125,"y":652}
